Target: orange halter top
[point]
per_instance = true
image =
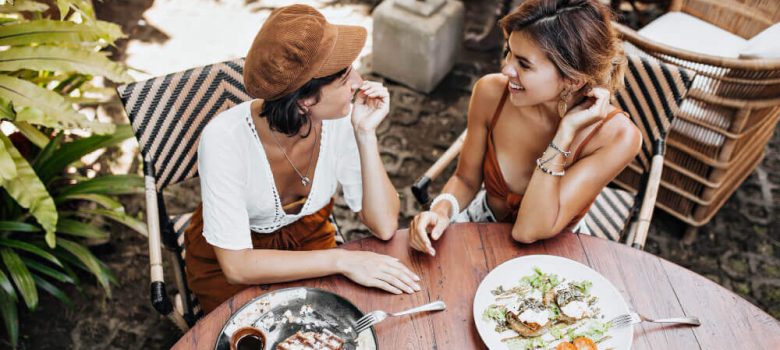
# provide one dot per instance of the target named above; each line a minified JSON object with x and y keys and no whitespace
{"x":495,"y":184}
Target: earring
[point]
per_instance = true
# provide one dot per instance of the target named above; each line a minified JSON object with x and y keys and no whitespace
{"x":562,"y":105}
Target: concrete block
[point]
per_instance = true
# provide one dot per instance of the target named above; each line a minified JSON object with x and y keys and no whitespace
{"x":422,"y":8}
{"x":415,"y":50}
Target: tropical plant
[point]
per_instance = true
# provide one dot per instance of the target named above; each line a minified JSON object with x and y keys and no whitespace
{"x":48,"y":69}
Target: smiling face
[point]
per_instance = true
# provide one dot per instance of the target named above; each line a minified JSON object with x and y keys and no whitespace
{"x":336,"y":97}
{"x":533,"y":78}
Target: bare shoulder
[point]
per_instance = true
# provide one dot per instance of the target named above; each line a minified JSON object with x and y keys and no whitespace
{"x":485,"y":96}
{"x":621,"y":132}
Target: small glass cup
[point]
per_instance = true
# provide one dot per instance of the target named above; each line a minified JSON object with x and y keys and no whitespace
{"x":248,"y":338}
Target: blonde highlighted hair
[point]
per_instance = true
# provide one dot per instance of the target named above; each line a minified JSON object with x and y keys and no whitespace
{"x":576,"y":35}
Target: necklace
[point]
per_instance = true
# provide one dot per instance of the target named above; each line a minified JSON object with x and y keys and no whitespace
{"x":305,"y":180}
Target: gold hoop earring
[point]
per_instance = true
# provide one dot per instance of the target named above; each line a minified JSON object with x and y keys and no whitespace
{"x":562,"y":105}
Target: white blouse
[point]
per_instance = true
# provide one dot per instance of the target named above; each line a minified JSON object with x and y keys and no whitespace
{"x":237,"y":185}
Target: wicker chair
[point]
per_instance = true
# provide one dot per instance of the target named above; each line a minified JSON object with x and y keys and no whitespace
{"x":727,"y":119}
{"x":651,"y":97}
{"x":168,"y":114}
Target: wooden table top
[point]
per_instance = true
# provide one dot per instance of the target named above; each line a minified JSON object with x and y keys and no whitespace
{"x":467,"y":252}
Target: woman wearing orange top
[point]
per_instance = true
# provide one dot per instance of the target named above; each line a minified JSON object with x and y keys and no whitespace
{"x":542,"y":135}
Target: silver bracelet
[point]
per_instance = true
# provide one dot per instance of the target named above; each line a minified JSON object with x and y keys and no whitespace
{"x":449,"y":198}
{"x":566,"y":154}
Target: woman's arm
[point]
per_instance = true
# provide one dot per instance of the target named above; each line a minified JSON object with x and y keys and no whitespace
{"x":467,"y":179}
{"x":262,"y":266}
{"x":551,"y":202}
{"x":380,"y":200}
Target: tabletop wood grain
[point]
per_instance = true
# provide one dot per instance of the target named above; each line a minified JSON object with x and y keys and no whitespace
{"x":467,"y":252}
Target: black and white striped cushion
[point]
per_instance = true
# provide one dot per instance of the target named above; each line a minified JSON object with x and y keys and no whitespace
{"x":180,"y":223}
{"x":168,"y":114}
{"x":651,"y":96}
{"x":609,"y":214}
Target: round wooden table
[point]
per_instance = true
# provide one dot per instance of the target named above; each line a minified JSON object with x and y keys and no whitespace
{"x":467,"y":252}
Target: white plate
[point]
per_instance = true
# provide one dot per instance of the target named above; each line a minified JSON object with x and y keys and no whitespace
{"x":509,"y":273}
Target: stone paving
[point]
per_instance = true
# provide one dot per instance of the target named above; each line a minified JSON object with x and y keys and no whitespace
{"x":740,"y":248}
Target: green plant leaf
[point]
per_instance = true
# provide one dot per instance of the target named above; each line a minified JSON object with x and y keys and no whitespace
{"x":72,"y":151}
{"x":122,"y":218}
{"x":63,"y":59}
{"x":106,"y":185}
{"x":22,"y":5}
{"x":70,"y":262}
{"x":47,"y":151}
{"x":48,"y":271}
{"x":21,"y":245}
{"x":89,"y":261}
{"x":46,"y":31}
{"x":82,"y":6}
{"x":79,"y":229}
{"x":107,"y":271}
{"x":37,"y":105}
{"x":10,"y":317}
{"x":6,"y":111}
{"x":16,"y":226}
{"x":6,"y":285}
{"x":103,"y":200}
{"x":29,"y":192}
{"x":32,"y":133}
{"x":7,"y":164}
{"x":21,"y":277}
{"x":56,"y":292}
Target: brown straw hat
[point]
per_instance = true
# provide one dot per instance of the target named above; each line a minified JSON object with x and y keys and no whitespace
{"x":296,"y":44}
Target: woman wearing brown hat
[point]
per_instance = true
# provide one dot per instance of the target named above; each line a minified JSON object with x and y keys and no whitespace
{"x":542,"y":135}
{"x":269,"y":167}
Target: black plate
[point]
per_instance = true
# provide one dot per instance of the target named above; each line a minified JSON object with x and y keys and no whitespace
{"x":330,"y":311}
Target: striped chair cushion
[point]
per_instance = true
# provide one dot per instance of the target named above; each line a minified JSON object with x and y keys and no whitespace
{"x":180,"y":223}
{"x":168,"y":114}
{"x":609,"y":214}
{"x":651,"y":96}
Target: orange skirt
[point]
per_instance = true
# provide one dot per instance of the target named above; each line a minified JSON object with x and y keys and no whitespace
{"x":204,"y":275}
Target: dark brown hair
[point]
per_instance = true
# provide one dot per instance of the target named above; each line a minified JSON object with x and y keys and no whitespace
{"x":283,"y":114}
{"x":576,"y":35}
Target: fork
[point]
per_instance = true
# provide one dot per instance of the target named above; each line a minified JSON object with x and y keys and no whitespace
{"x":626,"y":320}
{"x":377,"y":316}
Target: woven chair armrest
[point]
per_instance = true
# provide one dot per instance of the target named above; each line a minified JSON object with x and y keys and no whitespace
{"x":734,"y":102}
{"x":657,"y":48}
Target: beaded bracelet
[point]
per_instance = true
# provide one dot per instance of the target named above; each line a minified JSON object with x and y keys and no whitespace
{"x":541,"y":167}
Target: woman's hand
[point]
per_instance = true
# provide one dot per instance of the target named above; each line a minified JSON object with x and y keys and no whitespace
{"x":422,"y":224}
{"x":592,"y":110}
{"x":371,"y":106}
{"x":378,"y":271}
